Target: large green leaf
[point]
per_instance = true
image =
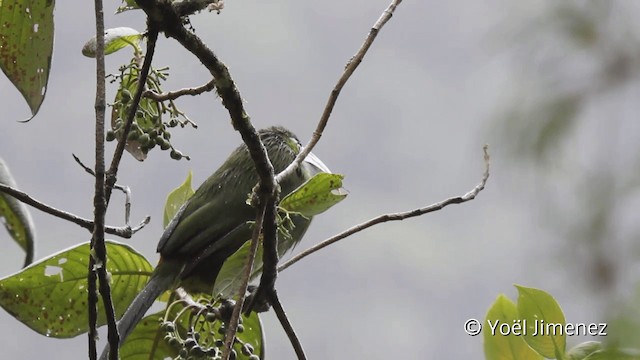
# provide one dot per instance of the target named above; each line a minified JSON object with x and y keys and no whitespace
{"x":16,"y":216}
{"x":50,"y":296}
{"x":176,"y":198}
{"x":26,"y":45}
{"x":316,"y":195}
{"x":508,"y":346}
{"x":544,"y":321}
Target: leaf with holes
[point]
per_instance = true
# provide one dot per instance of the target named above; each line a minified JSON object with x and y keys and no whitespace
{"x":50,"y":296}
{"x":316,"y":195}
{"x":26,"y":45}
{"x":16,"y":216}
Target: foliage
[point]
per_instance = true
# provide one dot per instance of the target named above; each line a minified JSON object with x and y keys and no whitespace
{"x":26,"y":38}
{"x":535,"y":328}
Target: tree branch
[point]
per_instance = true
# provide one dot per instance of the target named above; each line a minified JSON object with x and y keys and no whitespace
{"x":397,"y":216}
{"x":99,"y":204}
{"x":232,"y":326}
{"x":124,"y":232}
{"x":172,"y":95}
{"x":286,"y":325}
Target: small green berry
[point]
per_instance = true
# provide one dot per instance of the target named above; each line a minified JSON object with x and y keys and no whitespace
{"x":175,"y":154}
{"x":111,"y":135}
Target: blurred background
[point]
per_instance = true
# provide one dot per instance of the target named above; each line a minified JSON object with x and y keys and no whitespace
{"x":551,"y":86}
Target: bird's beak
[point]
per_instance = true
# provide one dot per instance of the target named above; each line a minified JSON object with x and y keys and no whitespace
{"x":314,"y":161}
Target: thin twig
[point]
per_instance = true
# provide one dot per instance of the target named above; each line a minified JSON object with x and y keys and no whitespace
{"x":286,"y":325}
{"x":125,"y":189}
{"x":172,"y":95}
{"x":123,"y":232}
{"x":397,"y":216}
{"x":232,"y":326}
{"x":351,"y":67}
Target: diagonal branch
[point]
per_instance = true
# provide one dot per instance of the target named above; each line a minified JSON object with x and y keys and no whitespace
{"x":397,"y":216}
{"x":351,"y":67}
{"x":286,"y":325}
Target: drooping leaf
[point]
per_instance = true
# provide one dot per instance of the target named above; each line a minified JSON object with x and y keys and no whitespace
{"x":16,"y":217}
{"x":544,"y":320}
{"x":510,"y":346}
{"x":114,"y":40}
{"x":316,"y":195}
{"x":176,"y":198}
{"x":50,"y":296}
{"x":26,"y":45}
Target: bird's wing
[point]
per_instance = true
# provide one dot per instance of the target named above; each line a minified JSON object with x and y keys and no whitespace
{"x":210,"y":215}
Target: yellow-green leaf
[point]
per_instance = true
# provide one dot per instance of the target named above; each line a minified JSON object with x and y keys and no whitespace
{"x":50,"y":296}
{"x":504,"y":342}
{"x":544,"y":320}
{"x":26,"y":45}
{"x":316,"y":195}
{"x":176,"y":198}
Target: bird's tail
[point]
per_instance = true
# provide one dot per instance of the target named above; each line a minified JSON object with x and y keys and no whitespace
{"x":161,"y":280}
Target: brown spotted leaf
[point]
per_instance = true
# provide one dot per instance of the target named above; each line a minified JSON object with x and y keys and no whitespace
{"x":316,"y":195}
{"x":26,"y":45}
{"x":50,"y":296}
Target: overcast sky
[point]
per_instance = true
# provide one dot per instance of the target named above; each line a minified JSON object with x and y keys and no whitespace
{"x":407,"y":131}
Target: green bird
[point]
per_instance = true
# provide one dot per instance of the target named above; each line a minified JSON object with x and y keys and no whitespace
{"x":214,"y":223}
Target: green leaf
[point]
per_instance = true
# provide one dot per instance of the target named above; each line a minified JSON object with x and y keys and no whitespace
{"x":544,"y":321}
{"x":147,"y":341}
{"x":581,"y":351}
{"x":505,"y":347}
{"x":127,"y":5}
{"x":228,"y":280}
{"x":316,"y":195}
{"x":50,"y":296}
{"x":26,"y":45}
{"x":176,"y":198}
{"x":16,"y":216}
{"x":114,"y":40}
